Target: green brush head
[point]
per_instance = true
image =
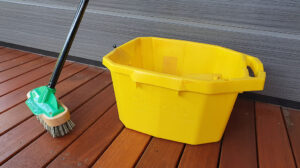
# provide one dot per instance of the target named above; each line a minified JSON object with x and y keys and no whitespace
{"x":42,"y":100}
{"x":54,"y":116}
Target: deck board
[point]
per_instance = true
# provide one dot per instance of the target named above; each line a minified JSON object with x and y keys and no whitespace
{"x":11,"y":55}
{"x":18,"y":96}
{"x":92,"y":143}
{"x":257,"y":134}
{"x":18,"y":61}
{"x":24,"y":68}
{"x":5,"y":50}
{"x":161,"y":153}
{"x":239,"y":141}
{"x":44,"y":148}
{"x":13,"y":116}
{"x":205,"y":155}
{"x":27,"y":78}
{"x":16,"y":136}
{"x":274,"y":149}
{"x":125,"y":150}
{"x":82,"y":91}
{"x":292,"y":120}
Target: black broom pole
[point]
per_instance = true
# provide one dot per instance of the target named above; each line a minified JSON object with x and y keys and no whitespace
{"x":68,"y":43}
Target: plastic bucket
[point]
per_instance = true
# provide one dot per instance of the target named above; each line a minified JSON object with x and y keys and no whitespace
{"x":179,"y":90}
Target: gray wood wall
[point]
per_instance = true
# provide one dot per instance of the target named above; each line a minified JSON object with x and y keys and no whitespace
{"x":269,"y":29}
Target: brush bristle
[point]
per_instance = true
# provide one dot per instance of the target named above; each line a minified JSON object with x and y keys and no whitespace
{"x":58,"y":131}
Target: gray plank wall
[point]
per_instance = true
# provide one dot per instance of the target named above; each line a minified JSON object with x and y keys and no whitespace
{"x":269,"y":29}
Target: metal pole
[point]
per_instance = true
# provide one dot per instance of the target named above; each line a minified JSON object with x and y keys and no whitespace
{"x":68,"y":43}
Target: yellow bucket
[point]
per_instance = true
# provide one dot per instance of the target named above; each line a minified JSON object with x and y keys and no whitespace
{"x":179,"y":90}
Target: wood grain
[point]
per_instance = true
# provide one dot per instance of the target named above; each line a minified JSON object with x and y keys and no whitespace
{"x":15,"y":140}
{"x":5,"y":50}
{"x":18,"y":61}
{"x":239,"y":141}
{"x":88,"y":90}
{"x":124,"y":151}
{"x":20,"y":141}
{"x":274,"y":149}
{"x":22,"y":69}
{"x":17,"y":96}
{"x":201,"y":156}
{"x":292,"y":120}
{"x":25,"y":79}
{"x":161,"y":153}
{"x":85,"y":150}
{"x":77,"y":80}
{"x":11,"y":55}
{"x":19,"y":113}
{"x":45,"y":147}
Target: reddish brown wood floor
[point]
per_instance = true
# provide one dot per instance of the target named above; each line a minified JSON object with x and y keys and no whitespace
{"x":257,"y":135}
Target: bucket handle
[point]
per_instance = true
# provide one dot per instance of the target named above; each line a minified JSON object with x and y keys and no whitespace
{"x":256,"y":66}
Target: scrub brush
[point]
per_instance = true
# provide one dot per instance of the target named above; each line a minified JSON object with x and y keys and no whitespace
{"x":53,"y":114}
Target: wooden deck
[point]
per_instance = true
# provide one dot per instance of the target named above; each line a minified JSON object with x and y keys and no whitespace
{"x":257,"y":135}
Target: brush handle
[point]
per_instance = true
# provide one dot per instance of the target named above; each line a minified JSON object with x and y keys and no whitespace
{"x":68,"y":43}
